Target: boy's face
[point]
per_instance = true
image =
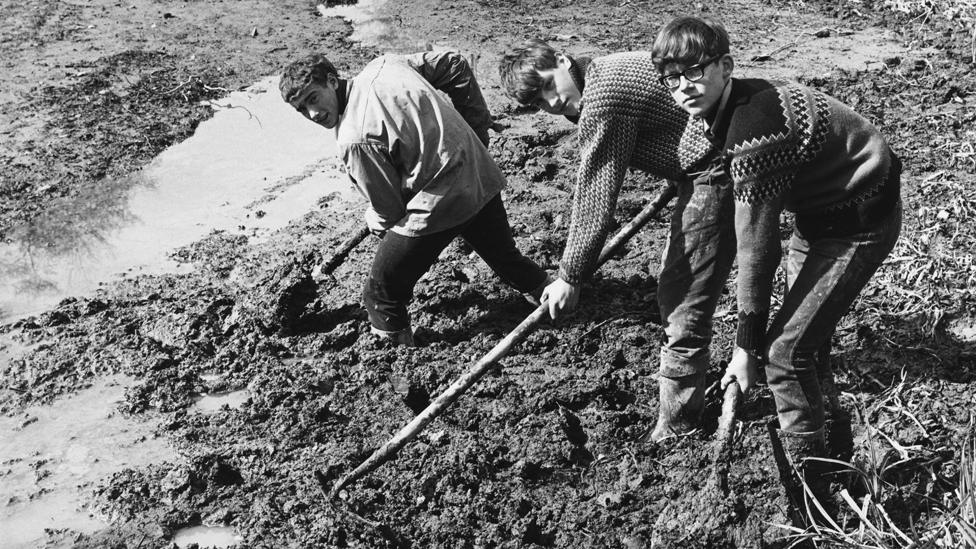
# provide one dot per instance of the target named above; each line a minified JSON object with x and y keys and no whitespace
{"x":319,"y":103}
{"x":559,"y":94}
{"x":698,"y":88}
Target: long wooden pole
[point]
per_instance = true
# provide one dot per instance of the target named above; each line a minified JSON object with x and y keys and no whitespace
{"x":340,"y":255}
{"x":488,"y":361}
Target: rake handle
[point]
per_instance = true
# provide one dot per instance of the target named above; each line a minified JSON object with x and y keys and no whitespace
{"x":340,"y":255}
{"x":488,"y":361}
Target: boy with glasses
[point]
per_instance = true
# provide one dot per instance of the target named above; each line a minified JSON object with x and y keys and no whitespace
{"x":627,"y":121}
{"x":788,"y":147}
{"x":421,"y":161}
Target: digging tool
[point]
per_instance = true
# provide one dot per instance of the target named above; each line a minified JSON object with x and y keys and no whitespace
{"x":489,"y":360}
{"x":705,"y":515}
{"x":342,"y":253}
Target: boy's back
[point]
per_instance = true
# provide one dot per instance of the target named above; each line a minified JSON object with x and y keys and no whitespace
{"x":622,"y":98}
{"x":393,"y":112}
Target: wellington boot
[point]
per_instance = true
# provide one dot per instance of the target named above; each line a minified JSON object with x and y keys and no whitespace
{"x":804,"y":475}
{"x":680,"y":405}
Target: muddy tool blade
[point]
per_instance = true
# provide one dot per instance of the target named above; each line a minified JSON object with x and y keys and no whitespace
{"x":342,"y":253}
{"x":703,"y":518}
{"x":488,"y":361}
{"x":725,"y":434}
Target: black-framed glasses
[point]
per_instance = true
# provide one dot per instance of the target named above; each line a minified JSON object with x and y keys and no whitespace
{"x":693,"y":73}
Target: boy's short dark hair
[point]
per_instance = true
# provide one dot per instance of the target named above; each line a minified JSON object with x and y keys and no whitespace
{"x":689,"y":41}
{"x":299,"y":74}
{"x":519,"y":69}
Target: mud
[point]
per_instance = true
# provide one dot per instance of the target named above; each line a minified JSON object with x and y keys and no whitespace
{"x":547,"y":450}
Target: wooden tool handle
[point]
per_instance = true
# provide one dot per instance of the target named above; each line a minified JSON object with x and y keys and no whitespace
{"x":340,"y":255}
{"x":488,"y":361}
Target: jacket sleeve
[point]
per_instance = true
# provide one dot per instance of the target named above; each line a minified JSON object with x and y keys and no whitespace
{"x":606,"y":147}
{"x":372,"y":170}
{"x":450,"y":73}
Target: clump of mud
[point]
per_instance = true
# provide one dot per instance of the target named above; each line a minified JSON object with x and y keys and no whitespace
{"x":708,"y":518}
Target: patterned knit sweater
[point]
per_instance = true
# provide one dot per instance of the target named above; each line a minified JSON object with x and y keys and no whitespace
{"x":790,"y":147}
{"x":627,"y":119}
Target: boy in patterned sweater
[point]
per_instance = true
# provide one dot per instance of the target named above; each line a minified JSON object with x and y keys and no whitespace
{"x":785,"y":146}
{"x":627,"y":121}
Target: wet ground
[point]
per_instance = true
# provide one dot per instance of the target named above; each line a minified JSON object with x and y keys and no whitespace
{"x":243,"y":375}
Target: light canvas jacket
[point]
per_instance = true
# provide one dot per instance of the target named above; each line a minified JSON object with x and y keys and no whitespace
{"x":417,"y":155}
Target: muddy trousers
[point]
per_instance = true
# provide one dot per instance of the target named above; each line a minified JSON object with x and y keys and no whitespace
{"x":694,"y":271}
{"x":826,"y":276}
{"x":400,"y":261}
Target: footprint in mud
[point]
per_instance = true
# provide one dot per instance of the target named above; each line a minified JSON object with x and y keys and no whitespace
{"x":416,"y":397}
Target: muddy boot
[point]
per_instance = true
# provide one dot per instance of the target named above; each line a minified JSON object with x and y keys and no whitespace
{"x":398,"y":337}
{"x":680,"y":405}
{"x":837,"y":425}
{"x":839,"y":435}
{"x":804,"y":477}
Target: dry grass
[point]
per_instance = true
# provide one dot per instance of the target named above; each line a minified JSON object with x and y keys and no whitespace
{"x":955,"y":12}
{"x":880,"y":516}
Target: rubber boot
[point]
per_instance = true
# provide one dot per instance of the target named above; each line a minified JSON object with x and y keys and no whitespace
{"x":400,"y":337}
{"x":837,"y":425}
{"x":804,"y":477}
{"x":680,"y":404}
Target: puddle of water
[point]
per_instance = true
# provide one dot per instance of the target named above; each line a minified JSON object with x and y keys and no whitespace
{"x":207,"y":536}
{"x":51,"y":457}
{"x":212,"y":402}
{"x":250,"y":169}
{"x":371,"y":26}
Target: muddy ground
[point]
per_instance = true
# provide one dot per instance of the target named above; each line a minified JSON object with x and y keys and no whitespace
{"x":545,"y":451}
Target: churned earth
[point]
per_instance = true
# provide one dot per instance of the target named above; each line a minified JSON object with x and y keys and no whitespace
{"x":548,"y":449}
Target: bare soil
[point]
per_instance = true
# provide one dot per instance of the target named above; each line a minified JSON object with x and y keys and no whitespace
{"x":548,"y":449}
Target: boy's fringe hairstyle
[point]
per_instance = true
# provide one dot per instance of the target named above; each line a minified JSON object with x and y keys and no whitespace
{"x":299,"y":74}
{"x":688,"y":41}
{"x":519,"y":69}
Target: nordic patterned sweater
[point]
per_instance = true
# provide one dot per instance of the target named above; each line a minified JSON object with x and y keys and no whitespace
{"x":627,"y":119}
{"x":786,"y":146}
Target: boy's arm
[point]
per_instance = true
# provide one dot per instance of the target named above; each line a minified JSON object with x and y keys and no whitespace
{"x":758,"y":255}
{"x":450,"y":73}
{"x":606,"y":147}
{"x":372,"y":170}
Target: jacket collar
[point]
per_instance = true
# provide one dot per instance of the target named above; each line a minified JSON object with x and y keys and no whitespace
{"x":577,"y":71}
{"x":342,"y":95}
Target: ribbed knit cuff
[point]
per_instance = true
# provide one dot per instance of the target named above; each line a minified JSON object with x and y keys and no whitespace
{"x":751,"y":333}
{"x":563,"y":274}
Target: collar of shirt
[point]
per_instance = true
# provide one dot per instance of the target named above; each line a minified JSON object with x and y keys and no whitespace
{"x":719,"y":111}
{"x":342,"y":95}
{"x":577,"y":71}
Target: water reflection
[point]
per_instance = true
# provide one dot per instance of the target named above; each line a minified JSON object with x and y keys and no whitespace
{"x":212,"y":403}
{"x":372,"y":26}
{"x":53,"y":455}
{"x":207,"y":536}
{"x":250,"y":169}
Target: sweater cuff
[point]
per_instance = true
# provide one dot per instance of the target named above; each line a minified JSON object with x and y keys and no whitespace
{"x":564,"y":274}
{"x":751,"y":333}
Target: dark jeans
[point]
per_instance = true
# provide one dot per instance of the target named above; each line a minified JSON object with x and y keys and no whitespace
{"x":400,"y":261}
{"x":694,"y":271}
{"x":826,"y":276}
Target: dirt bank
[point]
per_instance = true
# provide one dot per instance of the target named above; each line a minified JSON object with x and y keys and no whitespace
{"x":548,"y":450}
